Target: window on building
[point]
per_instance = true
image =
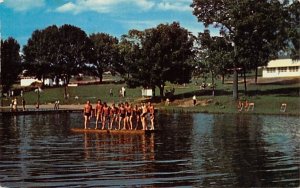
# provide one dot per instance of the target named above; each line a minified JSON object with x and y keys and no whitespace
{"x":294,"y":69}
{"x":282,"y":69}
{"x":271,"y":70}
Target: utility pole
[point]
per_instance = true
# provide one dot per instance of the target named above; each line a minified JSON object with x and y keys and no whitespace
{"x":1,"y":102}
{"x":235,"y":83}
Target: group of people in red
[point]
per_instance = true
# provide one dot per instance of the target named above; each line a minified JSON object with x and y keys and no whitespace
{"x":123,"y":116}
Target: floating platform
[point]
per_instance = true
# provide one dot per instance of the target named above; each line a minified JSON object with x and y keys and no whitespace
{"x":78,"y":130}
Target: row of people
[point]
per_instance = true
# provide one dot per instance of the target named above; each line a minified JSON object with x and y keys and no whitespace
{"x":122,"y":116}
{"x":245,"y":105}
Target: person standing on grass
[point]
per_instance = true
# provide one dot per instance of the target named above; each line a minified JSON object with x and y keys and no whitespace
{"x":15,"y":105}
{"x":98,"y":112}
{"x":87,"y":113}
{"x":194,"y":100}
{"x":110,"y":92}
{"x":23,"y":104}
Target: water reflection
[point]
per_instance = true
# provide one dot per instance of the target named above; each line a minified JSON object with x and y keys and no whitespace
{"x":199,"y":150}
{"x":119,"y":147}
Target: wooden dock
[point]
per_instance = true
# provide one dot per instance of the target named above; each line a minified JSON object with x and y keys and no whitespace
{"x":100,"y":131}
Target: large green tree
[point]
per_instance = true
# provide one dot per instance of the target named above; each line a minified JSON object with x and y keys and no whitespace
{"x":214,"y":55}
{"x":10,"y":63}
{"x":105,"y":53}
{"x":131,"y":61}
{"x":57,"y":51}
{"x":294,"y":29}
{"x":41,"y":52}
{"x":257,"y":29}
{"x":165,"y":53}
{"x":73,"y":51}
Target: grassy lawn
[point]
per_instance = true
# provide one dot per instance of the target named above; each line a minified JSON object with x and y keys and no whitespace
{"x":267,"y":98}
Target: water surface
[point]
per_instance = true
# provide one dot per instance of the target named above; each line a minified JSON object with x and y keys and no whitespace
{"x":191,"y":149}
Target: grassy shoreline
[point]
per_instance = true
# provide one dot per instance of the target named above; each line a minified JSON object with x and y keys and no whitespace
{"x":267,"y":97}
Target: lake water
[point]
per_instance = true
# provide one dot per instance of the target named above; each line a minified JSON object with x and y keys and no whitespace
{"x":190,"y":150}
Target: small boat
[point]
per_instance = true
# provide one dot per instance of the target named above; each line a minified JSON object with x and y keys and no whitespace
{"x":80,"y":130}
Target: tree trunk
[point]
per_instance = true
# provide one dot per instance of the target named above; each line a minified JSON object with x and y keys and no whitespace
{"x":153,"y":91}
{"x":256,"y":74}
{"x":101,"y":78}
{"x":245,"y":82}
{"x":38,"y":98}
{"x":65,"y":93}
{"x":235,"y":85}
{"x":161,"y":91}
{"x":67,"y":80}
{"x":213,"y":84}
{"x":223,"y":78}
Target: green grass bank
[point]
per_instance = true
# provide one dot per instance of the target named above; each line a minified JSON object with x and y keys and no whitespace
{"x":267,"y":97}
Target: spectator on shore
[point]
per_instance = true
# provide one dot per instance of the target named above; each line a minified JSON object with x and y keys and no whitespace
{"x":23,"y":104}
{"x":15,"y":105}
{"x":194,"y":100}
{"x":167,"y":102}
{"x":56,"y":105}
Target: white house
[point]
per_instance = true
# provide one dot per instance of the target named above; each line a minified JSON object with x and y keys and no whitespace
{"x":27,"y":81}
{"x":281,"y":68}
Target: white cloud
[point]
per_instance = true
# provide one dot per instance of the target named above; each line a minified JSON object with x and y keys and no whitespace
{"x":108,"y":6}
{"x":23,"y":5}
{"x":140,"y":24}
{"x":67,"y":7}
{"x":103,"y":6}
{"x":179,"y":5}
{"x":1,"y":1}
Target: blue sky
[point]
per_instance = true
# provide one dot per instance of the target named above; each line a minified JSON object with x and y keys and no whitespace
{"x":19,"y":18}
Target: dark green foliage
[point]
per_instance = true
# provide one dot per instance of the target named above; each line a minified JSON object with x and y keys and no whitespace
{"x":10,"y":63}
{"x":294,"y":29}
{"x":214,"y":55}
{"x":105,"y":53}
{"x":158,"y":55}
{"x":258,"y":29}
{"x":40,"y":53}
{"x":54,"y":51}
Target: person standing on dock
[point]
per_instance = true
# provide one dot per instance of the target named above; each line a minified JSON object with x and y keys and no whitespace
{"x":88,"y":113}
{"x":144,"y":116}
{"x":122,"y":113}
{"x":128,"y":119}
{"x":151,"y":112}
{"x":105,"y":118}
{"x":98,"y":112}
{"x":113,"y":115}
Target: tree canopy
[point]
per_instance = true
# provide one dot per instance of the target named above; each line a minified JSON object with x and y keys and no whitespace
{"x":105,"y":53}
{"x":40,"y":52}
{"x":57,"y":51}
{"x":10,"y":63}
{"x":256,"y":28}
{"x":158,"y":55}
{"x":214,"y":55}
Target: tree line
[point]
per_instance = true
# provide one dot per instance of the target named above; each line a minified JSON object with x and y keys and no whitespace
{"x":251,"y":33}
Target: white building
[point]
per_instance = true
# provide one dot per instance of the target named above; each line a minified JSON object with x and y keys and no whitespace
{"x":27,"y":81}
{"x":281,"y":68}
